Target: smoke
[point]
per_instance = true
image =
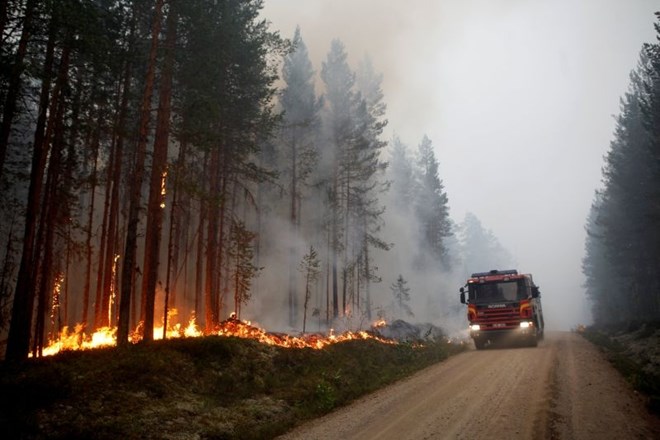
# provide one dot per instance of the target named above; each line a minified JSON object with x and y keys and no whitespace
{"x":517,"y":98}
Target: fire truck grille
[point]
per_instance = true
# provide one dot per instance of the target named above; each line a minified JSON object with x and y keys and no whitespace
{"x":498,"y":318}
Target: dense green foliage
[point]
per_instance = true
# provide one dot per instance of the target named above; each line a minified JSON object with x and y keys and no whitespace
{"x":213,"y":387}
{"x":622,"y":258}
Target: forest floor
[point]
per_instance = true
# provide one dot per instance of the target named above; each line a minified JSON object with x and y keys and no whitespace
{"x":197,"y":388}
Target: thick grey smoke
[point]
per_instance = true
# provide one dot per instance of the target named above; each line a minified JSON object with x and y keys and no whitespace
{"x":518,"y":99}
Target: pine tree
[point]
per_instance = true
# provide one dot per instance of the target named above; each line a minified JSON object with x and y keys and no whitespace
{"x":298,"y":135}
{"x":241,"y":253}
{"x":339,"y":81}
{"x":432,"y":205}
{"x":401,"y":294}
{"x":402,"y":177}
{"x":370,"y":179}
{"x":310,"y":267}
{"x":481,"y":250}
{"x":622,"y":244}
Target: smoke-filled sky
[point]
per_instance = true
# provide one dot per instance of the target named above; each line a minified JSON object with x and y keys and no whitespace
{"x":518,"y":97}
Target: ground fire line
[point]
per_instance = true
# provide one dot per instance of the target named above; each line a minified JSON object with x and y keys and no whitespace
{"x":78,"y":339}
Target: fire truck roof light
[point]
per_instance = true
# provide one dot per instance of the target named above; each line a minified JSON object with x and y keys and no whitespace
{"x":495,"y":272}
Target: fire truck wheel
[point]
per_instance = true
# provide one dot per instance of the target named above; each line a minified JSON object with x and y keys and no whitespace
{"x":479,"y":343}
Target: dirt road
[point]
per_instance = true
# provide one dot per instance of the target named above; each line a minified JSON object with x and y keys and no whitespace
{"x":563,"y":389}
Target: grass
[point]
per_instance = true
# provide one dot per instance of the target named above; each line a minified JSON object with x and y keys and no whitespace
{"x":632,"y":369}
{"x":211,"y":387}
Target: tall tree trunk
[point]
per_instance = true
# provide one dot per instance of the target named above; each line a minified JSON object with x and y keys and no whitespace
{"x":367,"y":278}
{"x":199,"y":264}
{"x":73,"y":142}
{"x":90,"y":225}
{"x":155,"y":205}
{"x":136,"y":184}
{"x":7,"y":268}
{"x":9,"y":108}
{"x":293,"y":296}
{"x":109,"y":236}
{"x":18,"y":340}
{"x":177,"y":233}
{"x":221,"y":237}
{"x":3,"y":20}
{"x":212,"y":251}
{"x":335,"y":250}
{"x":50,"y":213}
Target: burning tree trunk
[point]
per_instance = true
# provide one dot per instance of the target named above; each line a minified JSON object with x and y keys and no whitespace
{"x":128,"y":266}
{"x":178,"y":231}
{"x":49,"y":217}
{"x":156,"y":204}
{"x":108,"y":248}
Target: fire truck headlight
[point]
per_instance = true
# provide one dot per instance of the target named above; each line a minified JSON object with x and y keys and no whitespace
{"x":525,"y":324}
{"x":475,"y":327}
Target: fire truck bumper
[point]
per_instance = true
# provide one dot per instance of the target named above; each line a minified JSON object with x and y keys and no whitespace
{"x":525,"y":331}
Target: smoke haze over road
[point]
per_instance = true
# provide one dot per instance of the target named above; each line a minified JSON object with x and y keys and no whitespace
{"x":518,"y":98}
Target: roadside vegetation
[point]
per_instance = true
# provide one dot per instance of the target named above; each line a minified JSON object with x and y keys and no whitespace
{"x":635,"y":352}
{"x":210,"y":387}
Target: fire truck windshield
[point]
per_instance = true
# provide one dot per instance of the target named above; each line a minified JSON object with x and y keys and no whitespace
{"x":496,"y":292}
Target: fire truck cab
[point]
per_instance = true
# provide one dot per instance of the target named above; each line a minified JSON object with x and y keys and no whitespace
{"x":503,"y":304}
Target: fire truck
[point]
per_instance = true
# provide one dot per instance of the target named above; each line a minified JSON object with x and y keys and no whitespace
{"x":503,"y":305}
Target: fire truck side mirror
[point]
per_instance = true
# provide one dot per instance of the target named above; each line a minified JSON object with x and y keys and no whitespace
{"x":462,"y":290}
{"x":535,"y":292}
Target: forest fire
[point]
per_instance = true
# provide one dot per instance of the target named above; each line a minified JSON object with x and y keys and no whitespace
{"x":78,"y":339}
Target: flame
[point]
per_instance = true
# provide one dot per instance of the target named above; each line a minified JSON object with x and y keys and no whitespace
{"x":244,"y":329}
{"x":78,"y":339}
{"x":163,"y":189}
{"x":379,"y":324}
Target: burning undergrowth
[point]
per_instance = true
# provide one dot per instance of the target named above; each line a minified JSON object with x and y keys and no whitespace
{"x":78,"y":339}
{"x":240,"y":381}
{"x":206,"y":387}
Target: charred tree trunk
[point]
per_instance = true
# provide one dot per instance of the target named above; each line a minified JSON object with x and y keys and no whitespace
{"x":136,"y":184}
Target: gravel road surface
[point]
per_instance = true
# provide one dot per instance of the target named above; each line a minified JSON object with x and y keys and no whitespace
{"x":562,"y":389}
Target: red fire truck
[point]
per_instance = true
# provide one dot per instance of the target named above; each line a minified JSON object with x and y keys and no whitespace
{"x":503,"y":304}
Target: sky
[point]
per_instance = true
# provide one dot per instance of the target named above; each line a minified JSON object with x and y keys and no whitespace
{"x":519,"y":99}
